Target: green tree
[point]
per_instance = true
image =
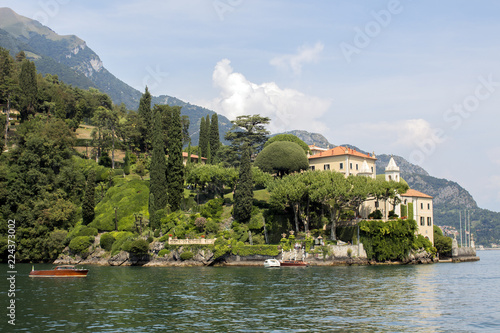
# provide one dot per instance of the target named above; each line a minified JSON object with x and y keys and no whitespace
{"x":250,"y":130}
{"x":20,"y":56}
{"x":287,"y":137}
{"x":175,"y":164}
{"x":288,"y":191}
{"x":389,"y":191}
{"x":88,"y":204}
{"x":243,"y":194}
{"x":203,"y":141}
{"x":214,"y":137}
{"x":158,"y":186}
{"x":28,"y":88}
{"x":7,"y":88}
{"x":186,"y":138}
{"x":331,"y":189}
{"x":145,"y":117}
{"x":442,"y":243}
{"x":212,"y":179}
{"x":126,"y":163}
{"x":3,"y":143}
{"x":282,"y":158}
{"x":105,"y":134}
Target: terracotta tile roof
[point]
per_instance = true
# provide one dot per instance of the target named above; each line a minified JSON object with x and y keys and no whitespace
{"x":314,"y":147}
{"x":184,"y":154}
{"x":415,"y":193}
{"x":339,"y":150}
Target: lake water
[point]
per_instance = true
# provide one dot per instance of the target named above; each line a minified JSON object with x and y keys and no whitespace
{"x":463,"y":297}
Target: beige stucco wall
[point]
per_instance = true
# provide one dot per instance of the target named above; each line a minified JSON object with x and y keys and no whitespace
{"x":423,"y":208}
{"x":351,"y":165}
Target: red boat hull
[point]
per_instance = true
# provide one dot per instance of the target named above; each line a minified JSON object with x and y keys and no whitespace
{"x":60,"y":272}
{"x":295,"y":263}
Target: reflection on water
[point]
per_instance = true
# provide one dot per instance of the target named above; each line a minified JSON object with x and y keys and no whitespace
{"x":425,"y":298}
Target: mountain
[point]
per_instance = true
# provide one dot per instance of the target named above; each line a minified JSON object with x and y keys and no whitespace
{"x":75,"y":63}
{"x":311,"y":138}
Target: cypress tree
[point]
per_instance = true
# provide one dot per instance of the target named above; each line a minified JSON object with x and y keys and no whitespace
{"x":202,"y":144}
{"x":207,"y":138}
{"x":214,"y":136}
{"x":126,"y":163}
{"x":29,"y":88}
{"x":145,"y":115}
{"x":243,"y":194}
{"x":188,"y":162}
{"x":209,"y":155}
{"x":88,"y":204}
{"x":175,"y":181}
{"x":157,"y":184}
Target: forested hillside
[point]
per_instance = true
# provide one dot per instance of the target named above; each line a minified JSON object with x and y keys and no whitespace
{"x":75,"y":63}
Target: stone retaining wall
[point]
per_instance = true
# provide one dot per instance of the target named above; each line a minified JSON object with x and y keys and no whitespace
{"x":201,"y":241}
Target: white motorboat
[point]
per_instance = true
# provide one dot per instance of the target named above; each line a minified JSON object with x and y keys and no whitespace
{"x":271,"y":263}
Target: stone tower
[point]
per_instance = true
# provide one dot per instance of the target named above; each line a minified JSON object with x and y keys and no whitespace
{"x":392,"y":171}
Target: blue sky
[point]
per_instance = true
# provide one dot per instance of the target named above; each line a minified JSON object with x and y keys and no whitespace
{"x":419,"y":79}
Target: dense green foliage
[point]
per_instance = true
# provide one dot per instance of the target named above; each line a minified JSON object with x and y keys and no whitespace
{"x":175,"y":167}
{"x":145,"y":121}
{"x":214,"y":137}
{"x":80,"y":244}
{"x":88,"y":204}
{"x":29,"y":89}
{"x":158,"y":183}
{"x":188,"y":255}
{"x":442,"y":243}
{"x":420,"y":242}
{"x":130,"y":198}
{"x":107,"y":241}
{"x":391,"y":240}
{"x":204,"y":138}
{"x":249,"y":250}
{"x":139,"y":246}
{"x":243,"y":194}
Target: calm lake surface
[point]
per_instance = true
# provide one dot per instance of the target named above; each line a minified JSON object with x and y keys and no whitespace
{"x":463,"y":297}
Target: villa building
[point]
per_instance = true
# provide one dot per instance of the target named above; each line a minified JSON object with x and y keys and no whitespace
{"x":344,"y":160}
{"x":423,"y":211}
{"x":351,"y":162}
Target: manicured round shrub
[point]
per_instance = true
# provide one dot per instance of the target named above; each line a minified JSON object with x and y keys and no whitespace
{"x":282,"y":158}
{"x":81,"y":244}
{"x":163,"y":253}
{"x":139,"y":246}
{"x":188,"y":255}
{"x":87,"y":231}
{"x":107,"y":241}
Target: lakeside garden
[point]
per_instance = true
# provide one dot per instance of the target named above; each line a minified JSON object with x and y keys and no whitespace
{"x":79,"y":167}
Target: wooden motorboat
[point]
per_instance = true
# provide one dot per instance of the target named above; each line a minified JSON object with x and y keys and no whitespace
{"x":271,"y":263}
{"x":60,"y":271}
{"x":296,"y":263}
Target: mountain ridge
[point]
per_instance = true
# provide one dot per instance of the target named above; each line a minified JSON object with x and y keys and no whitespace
{"x":75,"y":63}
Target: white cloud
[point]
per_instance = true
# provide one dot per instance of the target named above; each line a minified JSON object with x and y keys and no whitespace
{"x":294,"y":62}
{"x":400,"y":136}
{"x":288,"y":109}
